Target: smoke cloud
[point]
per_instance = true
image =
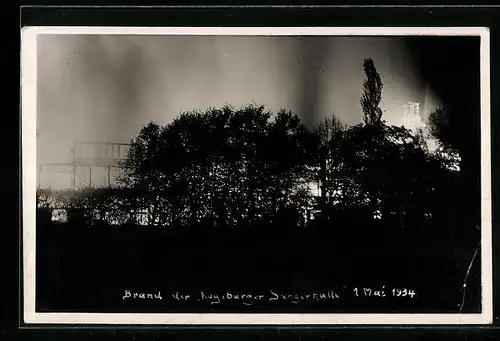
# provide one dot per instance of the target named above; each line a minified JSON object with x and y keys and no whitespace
{"x":105,"y":88}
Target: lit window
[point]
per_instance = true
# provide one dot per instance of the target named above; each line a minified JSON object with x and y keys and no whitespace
{"x":59,"y":216}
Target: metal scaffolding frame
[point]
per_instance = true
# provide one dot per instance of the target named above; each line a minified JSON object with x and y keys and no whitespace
{"x":110,"y":155}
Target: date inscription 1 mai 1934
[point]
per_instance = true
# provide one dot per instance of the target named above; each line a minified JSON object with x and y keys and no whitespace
{"x":382,"y":292}
{"x":357,"y":291}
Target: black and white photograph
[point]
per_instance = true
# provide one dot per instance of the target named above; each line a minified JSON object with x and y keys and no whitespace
{"x":264,"y":175}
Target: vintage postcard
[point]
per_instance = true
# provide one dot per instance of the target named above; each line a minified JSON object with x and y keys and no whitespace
{"x":264,"y":175}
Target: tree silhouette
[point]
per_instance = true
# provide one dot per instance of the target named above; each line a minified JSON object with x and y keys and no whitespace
{"x":440,"y":127}
{"x":224,"y":165}
{"x":450,"y":127}
{"x":142,"y":173}
{"x":372,"y":94}
{"x":330,"y":136}
{"x":289,"y":157}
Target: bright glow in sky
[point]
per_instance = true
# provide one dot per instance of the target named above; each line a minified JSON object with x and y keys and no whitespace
{"x":105,"y":88}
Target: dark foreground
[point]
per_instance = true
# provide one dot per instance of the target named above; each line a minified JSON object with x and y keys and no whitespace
{"x":254,"y":270}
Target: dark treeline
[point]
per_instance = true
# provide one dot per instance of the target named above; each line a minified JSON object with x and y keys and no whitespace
{"x":244,"y":198}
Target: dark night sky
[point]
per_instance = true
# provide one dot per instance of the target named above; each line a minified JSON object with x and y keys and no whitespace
{"x":106,"y":88}
{"x":451,"y":66}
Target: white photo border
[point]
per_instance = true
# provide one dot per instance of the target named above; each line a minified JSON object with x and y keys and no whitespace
{"x":28,"y":124}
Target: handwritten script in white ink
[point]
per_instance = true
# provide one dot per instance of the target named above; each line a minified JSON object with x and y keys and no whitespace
{"x":249,"y":299}
{"x":296,"y":298}
{"x":243,"y":298}
{"x":142,"y":295}
{"x":383,"y":292}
